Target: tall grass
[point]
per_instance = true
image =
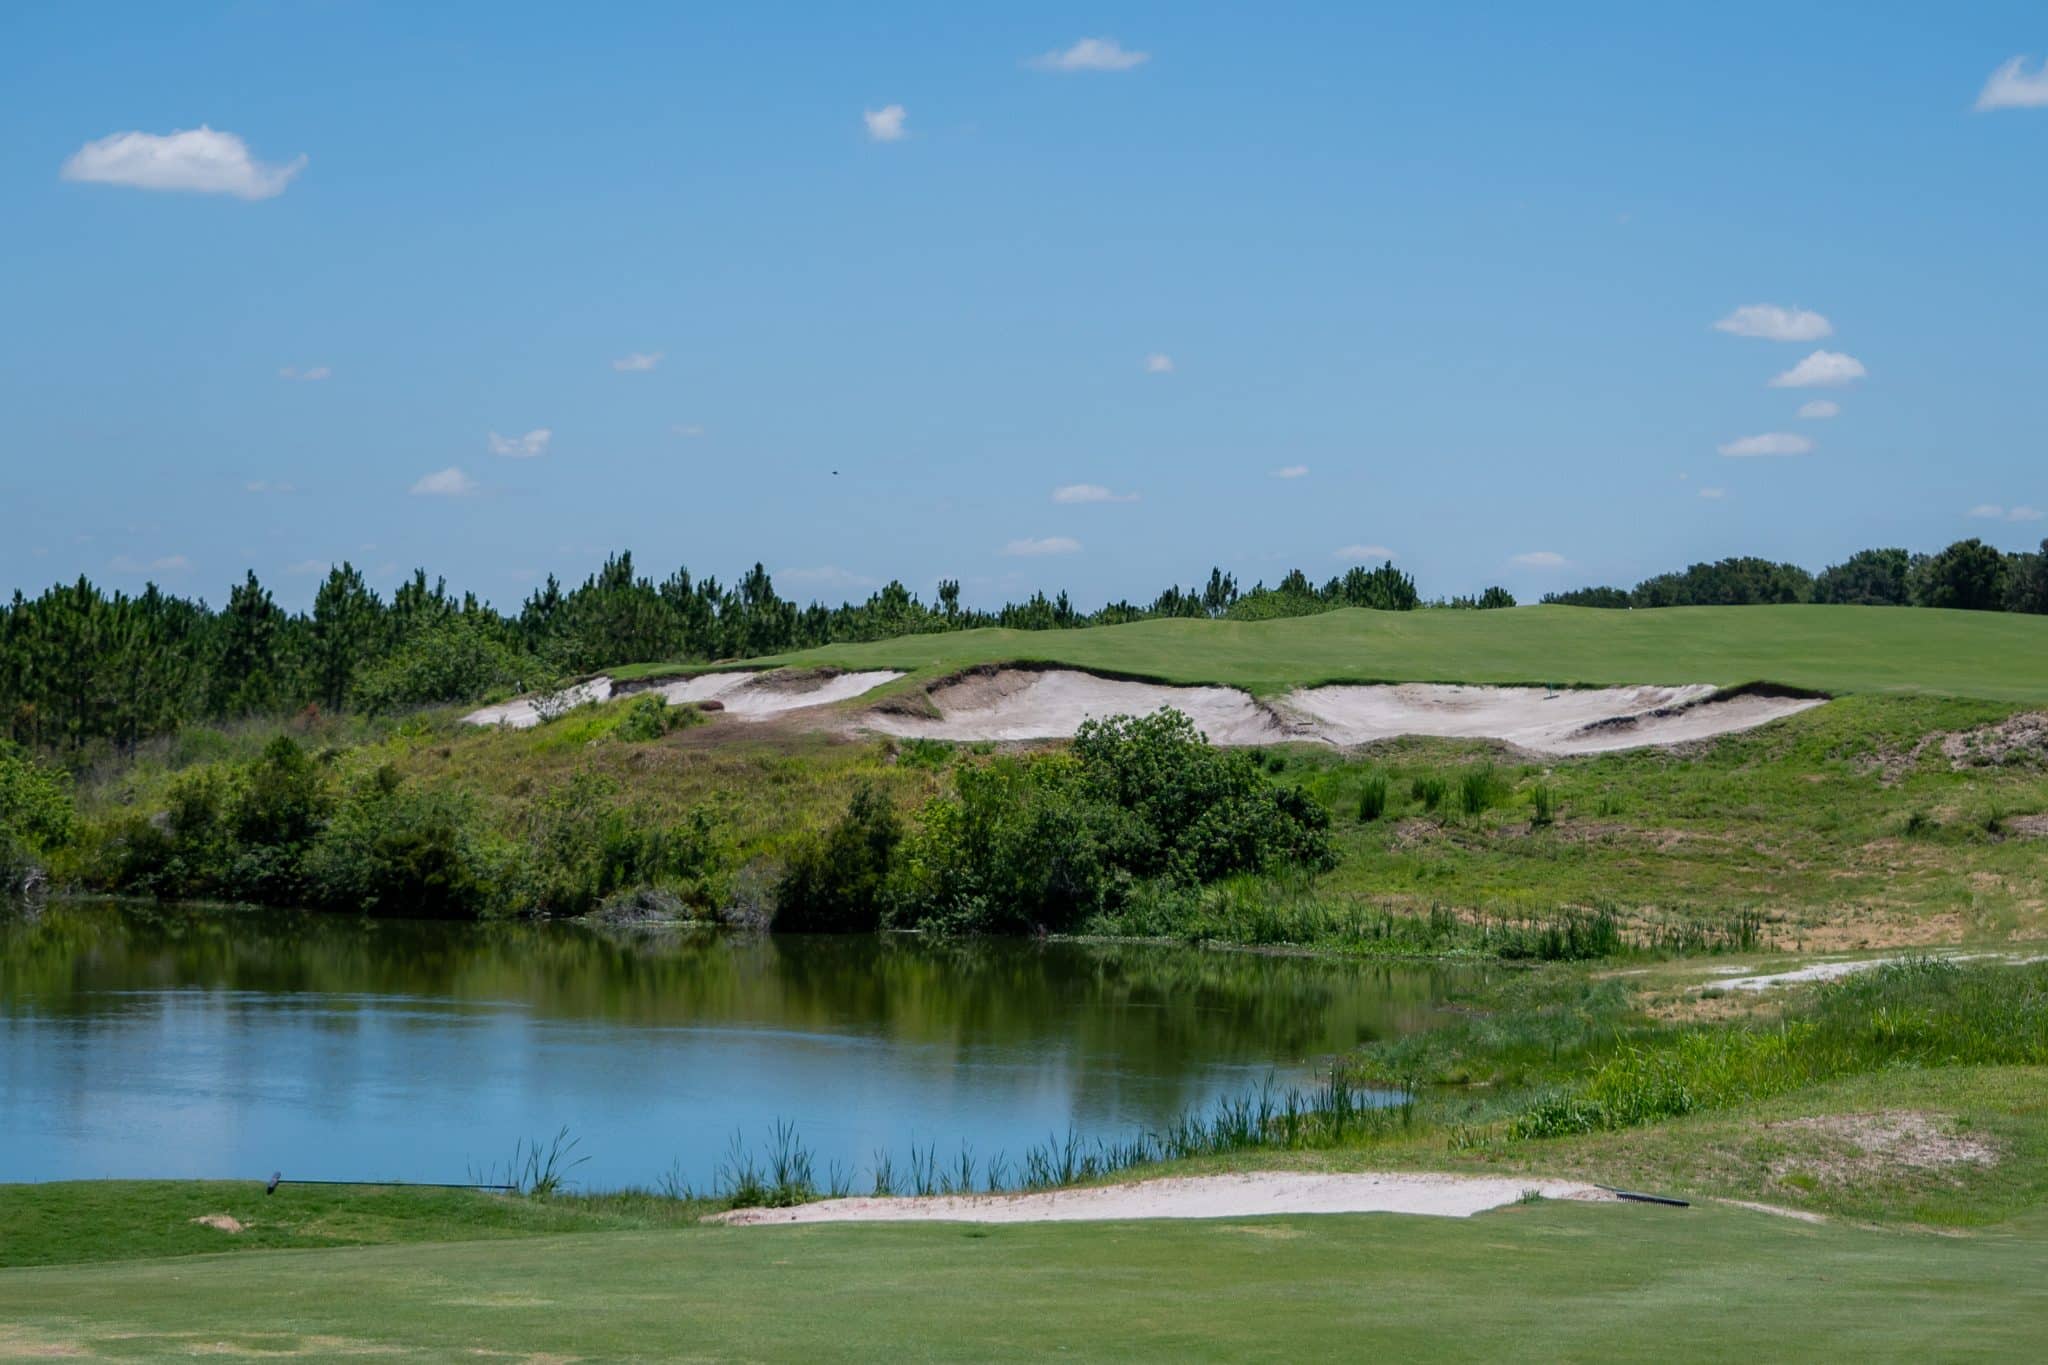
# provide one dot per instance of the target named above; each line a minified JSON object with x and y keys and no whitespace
{"x":1372,"y":797}
{"x":1477,"y":789}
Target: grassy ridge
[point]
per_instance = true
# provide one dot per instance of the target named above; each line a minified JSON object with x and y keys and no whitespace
{"x":1991,"y":655}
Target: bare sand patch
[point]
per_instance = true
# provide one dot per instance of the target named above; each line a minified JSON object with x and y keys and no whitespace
{"x":1249,"y":1195}
{"x":1022,"y":704}
{"x":749,"y":695}
{"x":1012,"y":704}
{"x":1883,"y":1144}
{"x":1544,"y":720}
{"x":222,"y":1221}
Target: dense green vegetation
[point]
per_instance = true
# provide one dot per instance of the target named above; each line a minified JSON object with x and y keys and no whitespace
{"x":1967,"y":576}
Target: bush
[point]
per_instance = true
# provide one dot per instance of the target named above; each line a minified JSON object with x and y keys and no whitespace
{"x":839,"y":883}
{"x":456,"y":659}
{"x":1372,"y":797}
{"x":1542,"y":804}
{"x":35,"y":815}
{"x":1477,"y":789}
{"x":649,"y":717}
{"x":390,"y":850}
{"x":1430,"y":789}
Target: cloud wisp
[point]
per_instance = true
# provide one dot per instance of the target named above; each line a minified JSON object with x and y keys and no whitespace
{"x":192,"y":160}
{"x":637,"y":362}
{"x":1991,"y":511}
{"x":1159,"y":363}
{"x":886,"y":123}
{"x":161,"y":564}
{"x":311,"y":375}
{"x":1090,"y":54}
{"x":1043,"y":545}
{"x":1291,"y":471}
{"x":1089,"y":492}
{"x":1820,"y":409}
{"x":2011,"y":87}
{"x":445,"y":483}
{"x":1774,"y":322}
{"x":1539,"y":559}
{"x":1821,"y":370}
{"x":1362,"y":554}
{"x":530,"y":446}
{"x":1769,"y":443}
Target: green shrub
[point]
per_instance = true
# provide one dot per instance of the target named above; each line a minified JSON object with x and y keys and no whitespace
{"x":35,"y":815}
{"x":1542,"y":804}
{"x":649,"y":717}
{"x":392,"y":850}
{"x":1429,"y":789}
{"x":456,"y":659}
{"x":1477,"y":789}
{"x":1372,"y":797}
{"x":839,"y":883}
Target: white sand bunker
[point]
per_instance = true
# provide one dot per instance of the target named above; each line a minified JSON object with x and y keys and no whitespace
{"x":747,"y":695}
{"x":1018,"y":703}
{"x":1022,"y":704}
{"x":1250,"y":1195}
{"x":1565,"y":721}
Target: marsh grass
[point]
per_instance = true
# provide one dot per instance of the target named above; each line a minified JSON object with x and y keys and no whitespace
{"x":1372,"y":797}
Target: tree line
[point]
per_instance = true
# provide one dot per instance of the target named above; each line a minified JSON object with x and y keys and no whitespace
{"x":80,"y":665}
{"x":1968,"y":575}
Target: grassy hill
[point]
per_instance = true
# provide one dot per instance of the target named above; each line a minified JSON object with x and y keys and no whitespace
{"x":1990,"y":655}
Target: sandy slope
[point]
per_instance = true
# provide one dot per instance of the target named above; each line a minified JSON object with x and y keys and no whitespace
{"x":750,"y":696}
{"x":1250,"y":1195}
{"x":1015,"y":703}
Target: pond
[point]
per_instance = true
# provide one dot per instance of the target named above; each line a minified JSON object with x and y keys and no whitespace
{"x":142,"y":1041}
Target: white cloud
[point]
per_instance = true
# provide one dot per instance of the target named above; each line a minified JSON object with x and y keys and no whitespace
{"x":1771,"y":322}
{"x":534,"y":443}
{"x":1089,"y":492}
{"x":1770,"y":443}
{"x":1158,"y":363}
{"x":445,"y":483}
{"x":1539,"y":559}
{"x":827,"y":575}
{"x":307,"y":376}
{"x":306,"y":567}
{"x":1044,"y":545}
{"x":197,"y":159}
{"x":689,"y":429}
{"x":2024,"y":514}
{"x":1359,"y":554}
{"x":1291,"y":471}
{"x":1819,"y":409}
{"x":1091,"y":54}
{"x":1991,"y":511}
{"x":161,"y":564}
{"x":267,"y":486}
{"x":637,"y":363}
{"x":1821,"y":370}
{"x":1713,"y":494}
{"x":2010,"y":87}
{"x":886,"y":123}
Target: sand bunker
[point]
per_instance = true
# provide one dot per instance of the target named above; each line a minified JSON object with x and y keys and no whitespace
{"x":1021,"y":704}
{"x":1017,"y":703}
{"x":748,"y":695}
{"x":1251,"y":1195}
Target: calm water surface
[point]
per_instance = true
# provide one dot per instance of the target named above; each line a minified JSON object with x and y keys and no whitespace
{"x":173,"y":1042}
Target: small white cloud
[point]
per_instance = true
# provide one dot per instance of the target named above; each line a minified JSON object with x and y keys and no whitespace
{"x":1821,"y":370}
{"x":1819,"y":409}
{"x":1089,"y":492}
{"x":198,"y":160}
{"x":886,"y":123}
{"x":1539,"y":559}
{"x":1991,"y":511}
{"x":306,"y":567}
{"x":1158,"y":363}
{"x":161,"y":564}
{"x":1291,"y":471}
{"x":2010,"y":87}
{"x":307,"y":376}
{"x":1771,"y":322}
{"x":1043,"y":545}
{"x":1090,"y":54}
{"x":1714,"y":494}
{"x":689,"y":429}
{"x":638,"y":362}
{"x":1359,"y":554}
{"x":530,"y":446}
{"x":827,"y":575}
{"x":262,"y":486}
{"x":1770,"y":443}
{"x":445,"y":483}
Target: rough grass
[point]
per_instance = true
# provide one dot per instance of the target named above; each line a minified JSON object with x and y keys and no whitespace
{"x":1995,"y":655}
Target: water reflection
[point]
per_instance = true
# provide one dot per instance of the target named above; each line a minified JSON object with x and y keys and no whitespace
{"x":140,"y":1040}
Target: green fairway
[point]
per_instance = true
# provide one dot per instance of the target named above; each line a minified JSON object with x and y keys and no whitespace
{"x":1991,"y":655}
{"x":1556,"y":1280}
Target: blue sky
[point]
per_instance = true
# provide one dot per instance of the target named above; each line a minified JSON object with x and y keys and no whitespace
{"x":1460,"y":264}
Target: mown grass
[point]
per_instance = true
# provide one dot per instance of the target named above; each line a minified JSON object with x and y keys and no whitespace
{"x":1994,"y":655}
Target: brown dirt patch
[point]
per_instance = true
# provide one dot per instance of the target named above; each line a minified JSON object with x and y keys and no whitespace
{"x":1855,"y":1148}
{"x":220,"y":1221}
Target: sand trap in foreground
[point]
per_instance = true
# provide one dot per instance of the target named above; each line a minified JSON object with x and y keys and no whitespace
{"x":1021,"y":704}
{"x":1252,"y":1195}
{"x":747,"y":695}
{"x":1567,"y":721}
